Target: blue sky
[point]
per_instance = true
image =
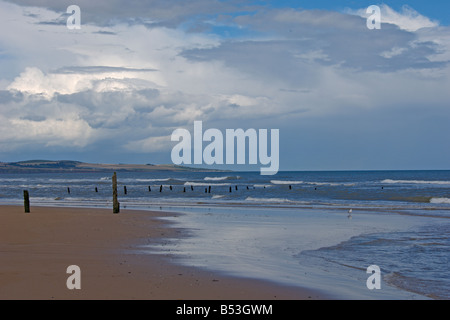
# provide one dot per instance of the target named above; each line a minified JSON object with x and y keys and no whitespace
{"x":343,"y":97}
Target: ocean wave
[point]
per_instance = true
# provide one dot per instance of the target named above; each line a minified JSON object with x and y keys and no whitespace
{"x":217,"y":197}
{"x":414,"y":182}
{"x":204,"y":184}
{"x":440,"y":200}
{"x":332,"y":184}
{"x":150,"y":180}
{"x":57,"y":180}
{"x":221,"y":178}
{"x":14,"y":179}
{"x":273,"y":200}
{"x":282,"y":182}
{"x":285,"y":182}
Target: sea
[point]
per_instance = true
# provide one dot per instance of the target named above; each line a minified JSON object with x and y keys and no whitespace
{"x":320,"y":230}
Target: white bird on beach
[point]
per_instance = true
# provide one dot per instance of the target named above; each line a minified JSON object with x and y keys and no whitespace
{"x":349,"y":214}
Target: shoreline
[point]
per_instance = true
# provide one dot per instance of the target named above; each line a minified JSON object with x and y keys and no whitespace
{"x":37,"y":248}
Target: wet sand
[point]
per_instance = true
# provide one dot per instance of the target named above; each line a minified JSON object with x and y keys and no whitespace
{"x":36,"y":249}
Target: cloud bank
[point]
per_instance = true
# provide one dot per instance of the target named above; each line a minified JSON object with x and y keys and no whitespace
{"x":138,"y":70}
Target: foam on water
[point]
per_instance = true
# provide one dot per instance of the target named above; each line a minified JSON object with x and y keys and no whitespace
{"x":438,"y":182}
{"x":285,"y":182}
{"x":440,"y":200}
{"x":222,"y":178}
{"x":204,"y":184}
{"x":270,"y":200}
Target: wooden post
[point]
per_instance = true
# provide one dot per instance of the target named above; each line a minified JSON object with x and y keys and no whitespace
{"x":230,"y":189}
{"x":149,"y":189}
{"x":26,"y":201}
{"x":170,"y":188}
{"x":192,"y":187}
{"x":125,"y":189}
{"x":68,"y":190}
{"x":160,"y":188}
{"x":209,"y":189}
{"x":116,"y":204}
{"x":184,"y":189}
{"x":236,"y":188}
{"x":96,"y":190}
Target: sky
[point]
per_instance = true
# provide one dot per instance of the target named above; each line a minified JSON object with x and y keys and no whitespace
{"x":343,"y":96}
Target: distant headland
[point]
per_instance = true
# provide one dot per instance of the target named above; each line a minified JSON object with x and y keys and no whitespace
{"x":45,"y":166}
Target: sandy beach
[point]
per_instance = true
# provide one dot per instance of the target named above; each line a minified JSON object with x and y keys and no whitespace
{"x":36,"y":249}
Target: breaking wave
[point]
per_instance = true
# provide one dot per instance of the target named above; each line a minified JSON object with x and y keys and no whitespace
{"x":272,"y":200}
{"x":440,"y":200}
{"x":312,"y":183}
{"x":285,"y":182}
{"x":414,"y":182}
{"x":204,"y":184}
{"x":221,"y":178}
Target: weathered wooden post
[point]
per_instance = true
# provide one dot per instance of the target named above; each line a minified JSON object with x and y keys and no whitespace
{"x":125,"y":189}
{"x":96,"y":189}
{"x":116,"y":204}
{"x":26,"y":201}
{"x":149,"y":189}
{"x":68,"y":190}
{"x":209,"y":189}
{"x":192,"y":187}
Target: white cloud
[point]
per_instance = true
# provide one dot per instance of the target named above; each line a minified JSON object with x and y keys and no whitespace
{"x":54,"y":131}
{"x":393,"y":52}
{"x":152,"y":144}
{"x":34,"y":82}
{"x":70,"y":131}
{"x":407,"y":19}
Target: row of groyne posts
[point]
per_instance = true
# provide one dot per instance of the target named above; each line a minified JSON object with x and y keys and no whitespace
{"x":116,"y":204}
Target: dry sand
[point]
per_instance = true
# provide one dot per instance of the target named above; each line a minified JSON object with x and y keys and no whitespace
{"x":36,"y":249}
